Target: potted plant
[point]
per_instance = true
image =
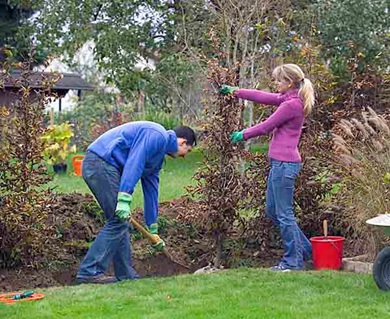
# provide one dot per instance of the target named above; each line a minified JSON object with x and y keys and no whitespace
{"x":57,"y":140}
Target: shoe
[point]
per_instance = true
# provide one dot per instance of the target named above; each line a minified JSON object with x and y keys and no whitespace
{"x":280,"y":268}
{"x":96,"y":280}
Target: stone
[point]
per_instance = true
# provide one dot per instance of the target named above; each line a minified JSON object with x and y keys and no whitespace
{"x":358,"y":264}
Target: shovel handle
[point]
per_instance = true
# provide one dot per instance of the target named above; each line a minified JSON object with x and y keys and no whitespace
{"x":154,"y":240}
{"x":144,"y":232}
{"x":325,"y":227}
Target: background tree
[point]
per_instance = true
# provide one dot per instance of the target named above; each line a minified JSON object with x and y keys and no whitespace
{"x":15,"y":31}
{"x":124,"y":34}
{"x":354,"y":39}
{"x":354,"y":30}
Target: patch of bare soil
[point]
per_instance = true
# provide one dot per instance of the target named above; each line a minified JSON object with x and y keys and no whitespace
{"x":78,"y":220}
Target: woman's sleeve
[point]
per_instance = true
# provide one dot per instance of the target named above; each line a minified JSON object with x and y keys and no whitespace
{"x":258,"y":96}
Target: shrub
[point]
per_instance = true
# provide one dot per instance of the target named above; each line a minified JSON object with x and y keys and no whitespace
{"x":25,"y":238}
{"x":363,"y":149}
{"x":93,"y":115}
{"x":113,"y":119}
{"x":224,"y":186}
{"x":57,"y":139}
{"x":168,"y":120}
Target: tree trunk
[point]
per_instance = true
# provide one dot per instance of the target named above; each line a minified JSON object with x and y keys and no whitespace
{"x":219,"y":244}
{"x":140,"y":102}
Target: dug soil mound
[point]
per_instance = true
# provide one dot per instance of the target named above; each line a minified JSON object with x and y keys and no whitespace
{"x":78,"y":219}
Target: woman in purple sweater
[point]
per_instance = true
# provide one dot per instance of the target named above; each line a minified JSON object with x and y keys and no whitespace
{"x":295,"y":101}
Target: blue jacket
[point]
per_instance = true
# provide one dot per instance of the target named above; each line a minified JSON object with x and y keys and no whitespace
{"x":137,"y":150}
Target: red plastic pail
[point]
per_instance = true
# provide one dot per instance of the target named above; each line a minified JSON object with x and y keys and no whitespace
{"x":327,"y":252}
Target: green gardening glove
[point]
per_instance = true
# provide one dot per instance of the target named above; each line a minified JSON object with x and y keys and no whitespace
{"x":159,"y":244}
{"x":123,"y":205}
{"x":227,"y":89}
{"x":237,"y":136}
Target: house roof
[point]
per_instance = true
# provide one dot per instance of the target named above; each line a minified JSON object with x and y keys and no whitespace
{"x":67,"y":81}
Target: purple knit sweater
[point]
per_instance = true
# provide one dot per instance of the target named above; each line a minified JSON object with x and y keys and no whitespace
{"x":285,"y":123}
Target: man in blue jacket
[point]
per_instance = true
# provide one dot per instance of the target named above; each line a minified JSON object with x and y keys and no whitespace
{"x":112,"y":166}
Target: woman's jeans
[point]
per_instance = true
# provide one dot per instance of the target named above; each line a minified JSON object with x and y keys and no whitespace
{"x":279,"y":207}
{"x":113,"y":241}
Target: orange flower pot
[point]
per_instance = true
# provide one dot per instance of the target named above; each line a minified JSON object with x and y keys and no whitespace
{"x":77,"y":162}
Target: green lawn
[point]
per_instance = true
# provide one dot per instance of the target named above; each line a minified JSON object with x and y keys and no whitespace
{"x":240,"y":293}
{"x":176,"y":174}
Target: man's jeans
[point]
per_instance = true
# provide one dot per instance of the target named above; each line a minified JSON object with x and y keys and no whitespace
{"x":280,"y":193}
{"x":113,"y":241}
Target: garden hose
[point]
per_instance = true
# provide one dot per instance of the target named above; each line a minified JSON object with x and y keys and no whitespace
{"x":14,"y":297}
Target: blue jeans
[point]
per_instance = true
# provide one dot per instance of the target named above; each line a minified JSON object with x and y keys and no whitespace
{"x":113,"y":241}
{"x":279,"y":207}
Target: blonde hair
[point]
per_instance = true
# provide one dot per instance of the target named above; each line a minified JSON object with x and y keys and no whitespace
{"x":294,"y":74}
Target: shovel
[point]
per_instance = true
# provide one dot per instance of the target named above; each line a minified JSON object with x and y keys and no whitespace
{"x":153,"y":240}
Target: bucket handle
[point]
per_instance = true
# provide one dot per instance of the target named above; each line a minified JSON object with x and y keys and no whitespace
{"x":334,"y":245}
{"x":77,"y":157}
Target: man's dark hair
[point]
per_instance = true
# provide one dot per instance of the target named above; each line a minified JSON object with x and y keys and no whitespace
{"x":187,"y":133}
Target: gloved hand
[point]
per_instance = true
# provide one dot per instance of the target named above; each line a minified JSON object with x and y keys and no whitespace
{"x":123,"y":205}
{"x":159,"y":244}
{"x":227,"y":89}
{"x":237,"y":136}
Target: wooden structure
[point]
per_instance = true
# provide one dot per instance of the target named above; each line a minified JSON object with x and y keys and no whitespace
{"x":68,"y":81}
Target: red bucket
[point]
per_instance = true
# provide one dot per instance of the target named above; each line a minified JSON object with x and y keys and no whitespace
{"x":77,"y":162}
{"x":327,"y":252}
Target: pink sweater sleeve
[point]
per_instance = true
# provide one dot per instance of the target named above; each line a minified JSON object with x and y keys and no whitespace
{"x":283,"y":114}
{"x":258,"y":96}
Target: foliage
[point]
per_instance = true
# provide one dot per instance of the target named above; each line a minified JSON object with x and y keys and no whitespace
{"x":317,"y":186}
{"x":386,"y":178}
{"x":25,"y":237}
{"x":15,"y":33}
{"x":57,"y":139}
{"x":113,"y":119}
{"x":363,"y":153}
{"x":129,"y":39}
{"x":93,"y":115}
{"x":175,"y":86}
{"x":160,"y":48}
{"x":120,"y":30}
{"x":168,"y":120}
{"x":354,"y":30}
{"x":283,"y":35}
